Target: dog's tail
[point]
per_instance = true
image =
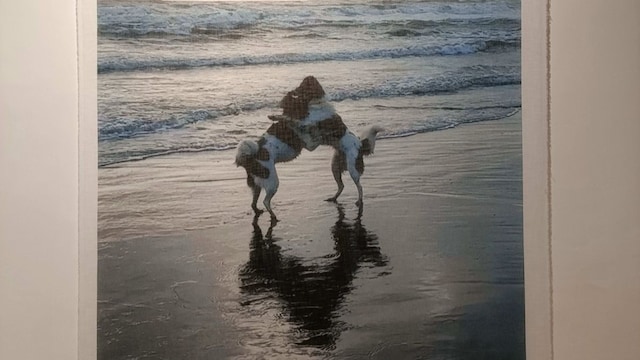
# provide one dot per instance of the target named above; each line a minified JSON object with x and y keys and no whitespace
{"x":247,"y":151}
{"x":368,"y":139}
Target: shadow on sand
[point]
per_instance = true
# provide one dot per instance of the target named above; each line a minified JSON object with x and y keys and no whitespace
{"x":311,"y":294}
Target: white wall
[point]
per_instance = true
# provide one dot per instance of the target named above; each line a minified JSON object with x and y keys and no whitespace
{"x":595,"y":178}
{"x":38,"y":180}
{"x":47,"y":232}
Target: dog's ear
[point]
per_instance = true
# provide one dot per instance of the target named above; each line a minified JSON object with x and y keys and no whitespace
{"x":310,"y":88}
{"x":294,"y":106}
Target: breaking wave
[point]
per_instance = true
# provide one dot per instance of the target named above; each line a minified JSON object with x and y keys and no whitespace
{"x":107,"y":64}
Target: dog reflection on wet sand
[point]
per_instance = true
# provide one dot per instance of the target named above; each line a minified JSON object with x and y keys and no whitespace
{"x":312,"y":294}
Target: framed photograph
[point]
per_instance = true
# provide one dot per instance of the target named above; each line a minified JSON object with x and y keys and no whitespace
{"x":328,"y":279}
{"x":419,"y":251}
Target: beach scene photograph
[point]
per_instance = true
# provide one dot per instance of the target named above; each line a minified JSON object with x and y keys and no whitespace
{"x":310,"y":179}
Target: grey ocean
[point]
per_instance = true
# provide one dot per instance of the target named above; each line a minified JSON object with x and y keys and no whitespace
{"x":192,"y":76}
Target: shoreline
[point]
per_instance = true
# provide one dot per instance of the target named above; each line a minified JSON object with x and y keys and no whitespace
{"x":211,"y":174}
{"x":222,"y":149}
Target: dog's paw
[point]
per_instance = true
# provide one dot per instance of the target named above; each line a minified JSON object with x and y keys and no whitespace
{"x":331,"y":199}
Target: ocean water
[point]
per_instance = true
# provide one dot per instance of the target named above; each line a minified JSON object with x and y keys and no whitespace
{"x":191,"y":76}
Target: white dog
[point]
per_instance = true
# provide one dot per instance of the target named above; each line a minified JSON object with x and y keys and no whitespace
{"x":308,"y":120}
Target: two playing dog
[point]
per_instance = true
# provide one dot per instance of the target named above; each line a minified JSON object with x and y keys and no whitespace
{"x":308,"y":120}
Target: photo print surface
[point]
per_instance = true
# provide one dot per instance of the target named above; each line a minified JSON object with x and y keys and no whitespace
{"x":203,"y":104}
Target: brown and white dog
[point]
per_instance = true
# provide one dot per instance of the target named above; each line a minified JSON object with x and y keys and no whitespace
{"x":307,"y":121}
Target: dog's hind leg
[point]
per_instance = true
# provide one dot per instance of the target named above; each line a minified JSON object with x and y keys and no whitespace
{"x":267,"y":205}
{"x":255,"y":189}
{"x":271,"y":187}
{"x":355,"y":166}
{"x":337,"y":167}
{"x":256,"y":194}
{"x":357,"y":182}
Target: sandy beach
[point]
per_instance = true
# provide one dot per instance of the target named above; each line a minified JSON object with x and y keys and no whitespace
{"x":432,"y":269}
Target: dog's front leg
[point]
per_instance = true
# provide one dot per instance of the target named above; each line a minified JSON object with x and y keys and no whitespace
{"x":352,"y":159}
{"x":311,"y":136}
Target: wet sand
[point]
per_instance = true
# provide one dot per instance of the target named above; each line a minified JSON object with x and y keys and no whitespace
{"x":431,"y":269}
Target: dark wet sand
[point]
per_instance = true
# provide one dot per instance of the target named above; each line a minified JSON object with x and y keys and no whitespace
{"x":432,"y":269}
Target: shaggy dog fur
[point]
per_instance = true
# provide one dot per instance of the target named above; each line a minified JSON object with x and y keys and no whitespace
{"x":307,"y":121}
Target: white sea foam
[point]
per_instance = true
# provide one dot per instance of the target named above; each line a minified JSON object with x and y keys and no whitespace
{"x":135,"y":19}
{"x":464,"y":78}
{"x":135,"y":63}
{"x":201,"y":76}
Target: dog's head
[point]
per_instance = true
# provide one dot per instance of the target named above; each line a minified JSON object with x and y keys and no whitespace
{"x":296,"y":103}
{"x":310,"y":88}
